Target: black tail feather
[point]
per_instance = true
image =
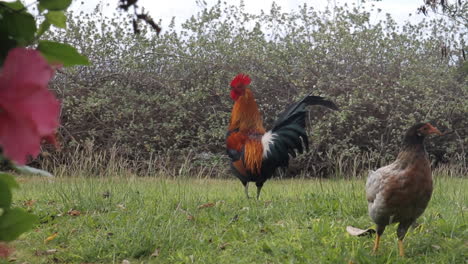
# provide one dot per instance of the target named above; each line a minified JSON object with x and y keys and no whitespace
{"x":318,"y":100}
{"x":290,"y":134}
{"x":298,"y":107}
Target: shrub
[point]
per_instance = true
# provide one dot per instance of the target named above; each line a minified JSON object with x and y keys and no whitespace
{"x":164,"y":96}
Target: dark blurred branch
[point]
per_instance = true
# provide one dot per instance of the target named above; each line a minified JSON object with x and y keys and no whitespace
{"x":458,"y":10}
{"x":141,"y":16}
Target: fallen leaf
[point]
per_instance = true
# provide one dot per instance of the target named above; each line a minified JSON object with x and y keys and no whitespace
{"x":45,"y":252}
{"x":121,"y":206}
{"x":206,"y":205}
{"x":354,"y":231}
{"x":51,"y":251}
{"x":436,"y":247}
{"x":223,"y":246}
{"x":125,"y":261}
{"x":189,"y":216}
{"x":155,"y":253}
{"x":280,"y":223}
{"x":51,"y":237}
{"x":29,"y":202}
{"x":73,"y":212}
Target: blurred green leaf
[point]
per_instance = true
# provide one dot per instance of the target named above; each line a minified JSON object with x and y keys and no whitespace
{"x":57,"y":18}
{"x":5,"y":45}
{"x":5,"y":195}
{"x":17,"y":5}
{"x":61,"y":53}
{"x":45,"y":25}
{"x":14,"y":222}
{"x":55,"y":5}
{"x":20,"y":26}
{"x":7,"y":182}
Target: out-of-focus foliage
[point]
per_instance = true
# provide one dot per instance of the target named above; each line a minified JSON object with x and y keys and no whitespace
{"x":168,"y":95}
{"x":18,"y":28}
{"x":23,"y":77}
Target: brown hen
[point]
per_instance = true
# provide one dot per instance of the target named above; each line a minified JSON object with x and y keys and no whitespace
{"x":400,"y":192}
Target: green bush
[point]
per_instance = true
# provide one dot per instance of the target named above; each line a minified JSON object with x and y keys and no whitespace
{"x":152,"y":96}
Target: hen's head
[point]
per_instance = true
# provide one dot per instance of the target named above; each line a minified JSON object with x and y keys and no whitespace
{"x":238,"y":85}
{"x":418,"y":132}
{"x":424,"y":129}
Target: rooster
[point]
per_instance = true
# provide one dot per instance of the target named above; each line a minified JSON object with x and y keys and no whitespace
{"x":400,"y":192}
{"x":256,"y":153}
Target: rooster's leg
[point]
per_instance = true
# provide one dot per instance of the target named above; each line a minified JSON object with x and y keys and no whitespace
{"x":259,"y":188}
{"x":380,"y":230}
{"x":401,"y":232}
{"x":246,"y":189}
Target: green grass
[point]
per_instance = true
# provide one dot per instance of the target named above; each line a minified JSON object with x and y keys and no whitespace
{"x":296,"y":221}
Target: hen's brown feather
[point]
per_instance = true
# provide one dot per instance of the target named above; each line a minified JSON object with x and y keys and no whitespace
{"x":400,"y":192}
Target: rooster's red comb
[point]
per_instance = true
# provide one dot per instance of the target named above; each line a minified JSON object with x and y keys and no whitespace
{"x":240,"y":80}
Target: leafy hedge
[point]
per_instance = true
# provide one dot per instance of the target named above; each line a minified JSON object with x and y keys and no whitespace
{"x":168,"y":95}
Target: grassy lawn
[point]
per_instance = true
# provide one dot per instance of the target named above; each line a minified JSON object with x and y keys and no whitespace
{"x":148,"y":220}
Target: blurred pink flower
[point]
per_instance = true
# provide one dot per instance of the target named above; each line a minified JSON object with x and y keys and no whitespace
{"x":29,"y":112}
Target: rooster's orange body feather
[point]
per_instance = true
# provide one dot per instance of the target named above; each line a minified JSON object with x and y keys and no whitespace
{"x":246,"y":128}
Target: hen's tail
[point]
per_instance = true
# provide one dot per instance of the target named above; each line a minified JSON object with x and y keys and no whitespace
{"x":288,"y":134}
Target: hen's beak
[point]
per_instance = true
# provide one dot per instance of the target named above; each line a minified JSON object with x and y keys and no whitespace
{"x":434,"y":130}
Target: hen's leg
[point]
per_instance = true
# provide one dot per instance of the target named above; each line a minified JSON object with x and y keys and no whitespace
{"x":380,"y":230}
{"x":401,"y":232}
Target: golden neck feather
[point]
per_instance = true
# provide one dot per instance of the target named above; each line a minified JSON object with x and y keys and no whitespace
{"x":245,"y":115}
